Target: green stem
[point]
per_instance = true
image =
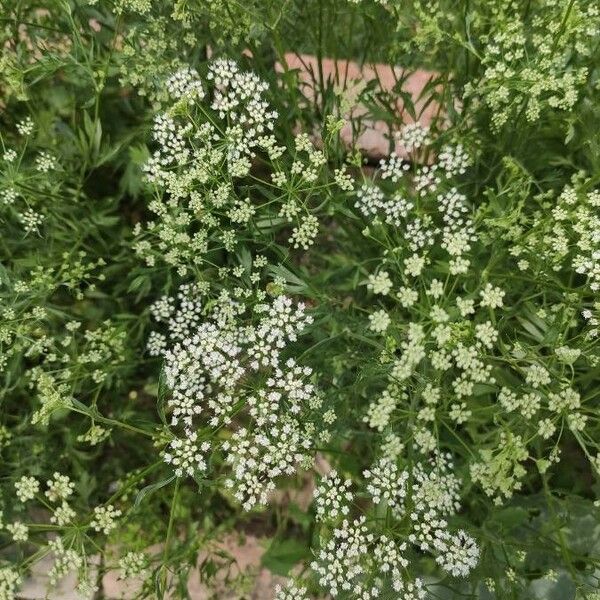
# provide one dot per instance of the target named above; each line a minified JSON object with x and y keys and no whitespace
{"x":170,"y":532}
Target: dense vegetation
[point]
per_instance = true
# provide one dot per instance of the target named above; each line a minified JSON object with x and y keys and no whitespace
{"x":214,"y":299}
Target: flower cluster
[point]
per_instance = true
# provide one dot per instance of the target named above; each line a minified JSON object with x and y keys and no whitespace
{"x":332,"y":497}
{"x":424,"y":204}
{"x":390,"y":357}
{"x":206,"y":140}
{"x":566,"y":239}
{"x":535,"y":64}
{"x":211,"y":357}
{"x":215,"y":129}
{"x":355,"y":557}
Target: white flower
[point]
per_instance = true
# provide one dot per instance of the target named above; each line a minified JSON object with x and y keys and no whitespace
{"x":407,"y":296}
{"x":303,"y":236}
{"x":413,"y":136}
{"x":379,"y":321}
{"x":393,"y":168}
{"x":9,"y":155}
{"x":25,"y":127}
{"x":492,"y":296}
{"x":344,"y":180}
{"x":389,"y":556}
{"x":31,"y":220}
{"x":465,"y":306}
{"x":332,"y":497}
{"x":257,"y":458}
{"x":537,"y":375}
{"x":18,"y":530}
{"x":133,"y":564}
{"x":339,"y":563}
{"x":577,"y":421}
{"x":567,"y":355}
{"x":290,"y":592}
{"x":63,"y":515}
{"x":409,"y":590}
{"x":66,"y":560}
{"x":380,"y":283}
{"x":369,"y":200}
{"x":392,"y":446}
{"x":380,"y":411}
{"x":427,"y":180}
{"x":9,"y":583}
{"x":104,"y":518}
{"x":414,"y":265}
{"x":185,"y":84}
{"x":186,"y":455}
{"x":458,"y":553}
{"x":45,"y":162}
{"x":60,"y":487}
{"x":387,"y":483}
{"x":546,"y":428}
{"x":27,"y":488}
{"x":486,"y":333}
{"x":453,"y":160}
{"x":435,"y":488}
{"x":210,"y":359}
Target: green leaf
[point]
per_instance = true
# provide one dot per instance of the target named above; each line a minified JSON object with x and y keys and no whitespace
{"x":511,"y":517}
{"x":535,"y":333}
{"x":282,"y":555}
{"x":294,"y":283}
{"x":150,"y":489}
{"x":301,"y":517}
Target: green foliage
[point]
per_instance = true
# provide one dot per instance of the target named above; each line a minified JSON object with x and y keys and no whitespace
{"x":221,"y":317}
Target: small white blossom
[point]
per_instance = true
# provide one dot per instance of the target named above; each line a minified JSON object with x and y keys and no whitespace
{"x":60,"y":487}
{"x":332,"y":497}
{"x":379,"y":321}
{"x":387,"y":483}
{"x":133,"y":564}
{"x":104,"y":518}
{"x":458,"y":553}
{"x":18,"y":531}
{"x":380,"y":283}
{"x":491,"y":296}
{"x":27,"y":488}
